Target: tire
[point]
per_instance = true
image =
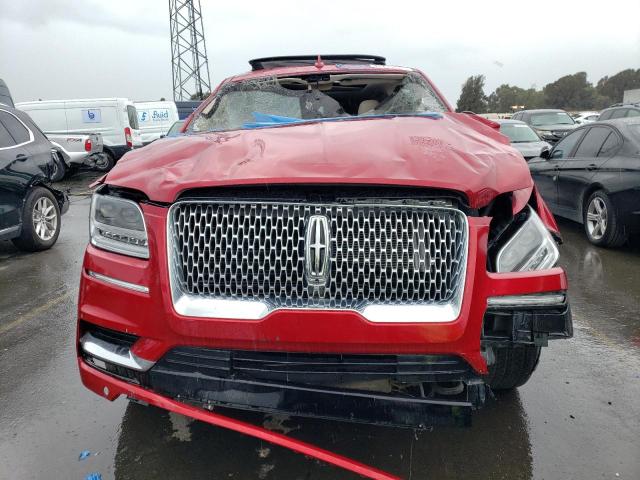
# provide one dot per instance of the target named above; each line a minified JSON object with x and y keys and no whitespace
{"x":59,"y":169}
{"x":601,"y":223}
{"x":513,"y":366}
{"x":40,"y":222}
{"x":105,"y":162}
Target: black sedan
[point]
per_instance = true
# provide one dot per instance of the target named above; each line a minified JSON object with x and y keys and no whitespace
{"x":592,"y":176}
{"x":30,"y":208}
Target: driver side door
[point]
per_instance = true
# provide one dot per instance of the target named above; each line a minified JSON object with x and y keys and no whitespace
{"x":545,"y":172}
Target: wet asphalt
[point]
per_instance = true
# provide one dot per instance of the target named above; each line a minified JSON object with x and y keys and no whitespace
{"x":577,"y":418}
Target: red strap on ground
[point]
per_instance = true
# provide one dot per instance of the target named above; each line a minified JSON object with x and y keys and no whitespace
{"x":267,"y":435}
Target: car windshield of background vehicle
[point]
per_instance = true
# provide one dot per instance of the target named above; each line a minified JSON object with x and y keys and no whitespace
{"x":519,"y":133}
{"x":551,"y":118}
{"x":289,"y":100}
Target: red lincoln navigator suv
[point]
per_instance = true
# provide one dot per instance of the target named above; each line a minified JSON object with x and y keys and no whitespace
{"x":325,"y":238}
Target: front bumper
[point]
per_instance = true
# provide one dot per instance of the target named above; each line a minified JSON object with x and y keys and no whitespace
{"x":132,"y":296}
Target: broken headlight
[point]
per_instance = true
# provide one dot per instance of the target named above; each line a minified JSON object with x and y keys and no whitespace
{"x":116,"y":224}
{"x":531,"y":247}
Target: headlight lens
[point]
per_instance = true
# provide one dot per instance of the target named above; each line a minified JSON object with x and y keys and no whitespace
{"x":531,"y":248}
{"x":545,"y":134}
{"x":117,"y":224}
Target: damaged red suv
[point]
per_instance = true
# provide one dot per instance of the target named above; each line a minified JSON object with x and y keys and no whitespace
{"x":326,"y":238}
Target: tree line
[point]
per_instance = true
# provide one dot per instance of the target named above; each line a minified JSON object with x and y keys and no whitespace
{"x":571,"y":92}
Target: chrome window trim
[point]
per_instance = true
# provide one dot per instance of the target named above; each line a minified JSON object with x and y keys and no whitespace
{"x":233,"y":309}
{"x":31,"y":137}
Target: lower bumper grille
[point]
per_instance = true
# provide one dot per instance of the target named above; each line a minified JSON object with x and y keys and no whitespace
{"x":335,"y":387}
{"x":312,"y":368}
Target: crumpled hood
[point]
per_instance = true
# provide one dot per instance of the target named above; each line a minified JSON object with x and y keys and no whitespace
{"x":454,"y":152}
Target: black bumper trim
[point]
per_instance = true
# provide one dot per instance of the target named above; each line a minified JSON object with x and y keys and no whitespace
{"x":325,"y":403}
{"x":533,"y":326}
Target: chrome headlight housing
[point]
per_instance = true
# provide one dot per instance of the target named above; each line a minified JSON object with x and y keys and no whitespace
{"x":531,"y":247}
{"x":117,"y":224}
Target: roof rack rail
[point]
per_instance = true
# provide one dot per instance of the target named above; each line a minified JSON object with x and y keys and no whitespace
{"x":300,"y":60}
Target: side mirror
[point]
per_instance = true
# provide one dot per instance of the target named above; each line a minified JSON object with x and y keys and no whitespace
{"x":546,"y":154}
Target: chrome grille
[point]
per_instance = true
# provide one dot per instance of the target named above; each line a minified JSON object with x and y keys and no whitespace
{"x":378,"y":254}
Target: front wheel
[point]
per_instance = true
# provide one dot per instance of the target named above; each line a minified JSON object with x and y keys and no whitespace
{"x":512,"y":367}
{"x":40,"y":221}
{"x":601,"y":223}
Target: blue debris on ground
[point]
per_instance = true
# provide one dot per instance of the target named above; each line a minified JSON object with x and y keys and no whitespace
{"x":84,"y":454}
{"x":93,"y":476}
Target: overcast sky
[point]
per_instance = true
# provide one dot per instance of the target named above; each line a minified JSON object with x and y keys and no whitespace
{"x":54,"y":49}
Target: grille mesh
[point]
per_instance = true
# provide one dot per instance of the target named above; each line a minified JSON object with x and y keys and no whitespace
{"x":379,"y":254}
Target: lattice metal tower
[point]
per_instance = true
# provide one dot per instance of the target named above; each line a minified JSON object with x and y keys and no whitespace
{"x":188,"y":50}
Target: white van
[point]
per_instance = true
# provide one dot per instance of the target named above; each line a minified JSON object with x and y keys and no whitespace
{"x":115,"y":118}
{"x":155,"y":119}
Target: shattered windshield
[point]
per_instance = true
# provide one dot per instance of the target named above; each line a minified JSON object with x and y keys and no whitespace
{"x":274,"y":101}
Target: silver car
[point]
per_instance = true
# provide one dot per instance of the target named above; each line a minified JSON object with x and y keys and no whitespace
{"x":523,"y":138}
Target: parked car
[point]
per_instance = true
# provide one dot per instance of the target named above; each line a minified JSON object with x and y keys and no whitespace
{"x":586,"y":117}
{"x":76,"y":151}
{"x":327,"y":239}
{"x":30,"y":209}
{"x":551,"y":125}
{"x":523,"y":138}
{"x":620,"y":111}
{"x":155,"y":119}
{"x":592,"y":176}
{"x":116,"y":119}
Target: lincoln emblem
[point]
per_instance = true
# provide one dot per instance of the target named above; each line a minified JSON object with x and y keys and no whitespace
{"x":317,"y":250}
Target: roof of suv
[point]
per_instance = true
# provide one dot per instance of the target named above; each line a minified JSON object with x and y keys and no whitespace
{"x":541,"y":110}
{"x":266,"y":63}
{"x":620,"y":106}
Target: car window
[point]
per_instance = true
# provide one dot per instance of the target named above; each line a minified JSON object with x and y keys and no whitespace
{"x":6,"y":140}
{"x":592,"y":142}
{"x":606,"y":115}
{"x":632,"y":112}
{"x":619,"y":113}
{"x":16,"y":129}
{"x":592,"y":118}
{"x":133,"y":117}
{"x":565,"y":146}
{"x":551,"y":118}
{"x":610,"y":145}
{"x":519,"y":132}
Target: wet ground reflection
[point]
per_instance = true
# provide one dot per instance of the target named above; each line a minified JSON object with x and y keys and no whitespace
{"x":604,"y":284}
{"x":155,"y":444}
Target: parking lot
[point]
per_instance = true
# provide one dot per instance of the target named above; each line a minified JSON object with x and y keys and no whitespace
{"x":578,"y":417}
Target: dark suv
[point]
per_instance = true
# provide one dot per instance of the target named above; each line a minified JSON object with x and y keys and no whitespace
{"x":550,"y":124}
{"x":620,"y":111}
{"x":30,"y":209}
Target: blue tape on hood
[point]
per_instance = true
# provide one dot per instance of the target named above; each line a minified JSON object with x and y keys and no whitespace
{"x":265,"y":120}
